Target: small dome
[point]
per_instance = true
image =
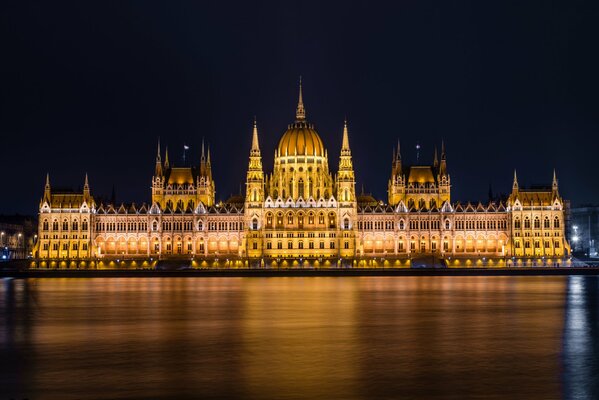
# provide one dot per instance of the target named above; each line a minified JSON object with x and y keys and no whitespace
{"x":301,"y":139}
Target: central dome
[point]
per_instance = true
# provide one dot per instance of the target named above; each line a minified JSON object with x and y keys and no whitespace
{"x":301,"y":139}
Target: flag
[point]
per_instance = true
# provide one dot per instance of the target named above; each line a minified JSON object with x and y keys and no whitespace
{"x":185,"y":147}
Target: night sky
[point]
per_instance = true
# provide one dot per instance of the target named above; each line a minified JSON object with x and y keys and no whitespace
{"x":90,"y":88}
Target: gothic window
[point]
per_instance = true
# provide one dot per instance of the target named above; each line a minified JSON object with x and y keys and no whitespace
{"x":84,"y":225}
{"x":75,"y":225}
{"x":346,"y":245}
{"x":421,"y":204}
{"x":346,"y":223}
{"x":254,"y":195}
{"x":180,"y":204}
{"x":447,"y":225}
{"x":546,"y":223}
{"x":279,"y":245}
{"x":332,"y":245}
{"x":401,"y":224}
{"x":432,"y":203}
{"x":537,"y":223}
{"x":279,"y":220}
{"x":55,"y":225}
{"x":526,"y":223}
{"x":155,"y":225}
{"x":45,"y":225}
{"x":331,"y":220}
{"x":269,"y":220}
{"x":556,"y":222}
{"x":300,"y":245}
{"x":310,"y":187}
{"x":65,"y":225}
{"x":321,"y":218}
{"x":300,"y":221}
{"x":255,"y":223}
{"x":291,"y":188}
{"x":290,"y":219}
{"x":191,"y":204}
{"x":300,"y":188}
{"x":311,"y":219}
{"x":517,"y":224}
{"x":169,"y":204}
{"x":290,"y":245}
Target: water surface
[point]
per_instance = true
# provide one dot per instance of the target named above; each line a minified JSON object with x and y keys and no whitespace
{"x":300,"y":338}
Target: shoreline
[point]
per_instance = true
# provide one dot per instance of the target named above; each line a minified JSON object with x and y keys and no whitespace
{"x":299,"y":272}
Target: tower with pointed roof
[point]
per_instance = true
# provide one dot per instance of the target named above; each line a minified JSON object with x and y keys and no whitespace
{"x":346,"y":194}
{"x":254,"y":197}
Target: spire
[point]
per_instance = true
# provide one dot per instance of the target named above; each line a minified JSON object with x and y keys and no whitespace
{"x":435,"y":159}
{"x":443,"y":156}
{"x":48,"y":181}
{"x":515,"y":184}
{"x":203,"y":156}
{"x":398,"y":150}
{"x":166,"y":163}
{"x":554,"y":183}
{"x":443,"y":164}
{"x":158,"y":158}
{"x":208,"y":156}
{"x":47,"y":191}
{"x":255,"y":144}
{"x":86,"y":186}
{"x":300,"y":113}
{"x":345,"y":142}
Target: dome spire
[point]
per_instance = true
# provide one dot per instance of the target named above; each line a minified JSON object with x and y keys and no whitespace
{"x":300,"y":113}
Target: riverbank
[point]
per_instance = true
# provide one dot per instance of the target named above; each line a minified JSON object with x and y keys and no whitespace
{"x":297,"y":272}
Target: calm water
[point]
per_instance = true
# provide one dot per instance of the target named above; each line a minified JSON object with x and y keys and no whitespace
{"x":300,"y":338}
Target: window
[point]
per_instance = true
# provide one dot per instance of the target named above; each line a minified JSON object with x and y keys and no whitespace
{"x":84,"y":246}
{"x":300,"y":245}
{"x":290,"y":219}
{"x":290,"y":245}
{"x":447,"y":225}
{"x":537,"y":223}
{"x":269,"y":245}
{"x":55,"y":225}
{"x":556,"y":223}
{"x":255,"y":223}
{"x":400,"y":247}
{"x":255,"y":245}
{"x":517,"y":224}
{"x":75,"y":225}
{"x":65,"y":225}
{"x":332,"y":245}
{"x":311,"y":245}
{"x":526,"y":223}
{"x":279,"y":245}
{"x":546,"y":223}
{"x":401,"y":224}
{"x":45,"y":225}
{"x":321,"y":245}
{"x":346,"y":245}
{"x":346,"y":223}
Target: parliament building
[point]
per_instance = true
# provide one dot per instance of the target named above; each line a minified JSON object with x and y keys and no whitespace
{"x":302,"y":214}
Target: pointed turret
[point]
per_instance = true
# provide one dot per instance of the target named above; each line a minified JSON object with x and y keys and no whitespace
{"x":554,"y":185}
{"x":203,"y":155}
{"x":255,"y":150}
{"x":300,"y":113}
{"x":86,"y":191}
{"x":435,"y":159}
{"x":443,"y":164}
{"x":346,"y":185}
{"x":345,"y":142}
{"x":515,"y":184}
{"x":158,"y":169}
{"x":47,"y":189}
{"x":166,"y":163}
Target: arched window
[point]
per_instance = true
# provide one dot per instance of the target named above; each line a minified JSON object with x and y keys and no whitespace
{"x":269,"y":220}
{"x":546,"y":223}
{"x":526,"y":223}
{"x":254,"y":195}
{"x":200,"y":225}
{"x":291,"y":188}
{"x":311,"y":219}
{"x":517,"y":224}
{"x":290,"y":219}
{"x":332,"y":222}
{"x":537,"y":223}
{"x":321,"y":218}
{"x":447,"y":224}
{"x":55,"y":225}
{"x":45,"y":225}
{"x":255,"y":223}
{"x":65,"y":225}
{"x":346,"y":223}
{"x":556,"y":222}
{"x":155,"y":225}
{"x":279,"y":220}
{"x":310,"y":187}
{"x":300,"y":220}
{"x":84,"y":225}
{"x":300,"y":188}
{"x":75,"y":225}
{"x":402,"y":224}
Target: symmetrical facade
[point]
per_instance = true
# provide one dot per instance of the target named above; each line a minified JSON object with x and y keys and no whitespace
{"x":302,"y":212}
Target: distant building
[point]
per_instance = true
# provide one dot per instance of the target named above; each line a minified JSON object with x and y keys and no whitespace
{"x":17,"y":236}
{"x":302,"y":212}
{"x":583,"y":230}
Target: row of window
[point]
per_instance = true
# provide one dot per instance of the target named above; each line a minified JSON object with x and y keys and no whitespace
{"x":537,"y":223}
{"x":300,"y":245}
{"x":434,"y":225}
{"x":65,"y":246}
{"x":537,"y":244}
{"x":65,"y":225}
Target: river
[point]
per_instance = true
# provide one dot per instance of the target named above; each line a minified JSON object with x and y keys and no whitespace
{"x":300,"y":338}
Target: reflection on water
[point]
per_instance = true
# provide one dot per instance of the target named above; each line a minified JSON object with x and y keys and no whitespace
{"x":345,"y":338}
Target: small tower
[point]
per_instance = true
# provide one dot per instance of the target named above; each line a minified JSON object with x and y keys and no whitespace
{"x":515,"y":186}
{"x":158,"y":169}
{"x":205,"y":185}
{"x":47,"y":189}
{"x":346,"y":184}
{"x":397,"y":187}
{"x":254,"y":198}
{"x":443,"y":179}
{"x":554,"y":186}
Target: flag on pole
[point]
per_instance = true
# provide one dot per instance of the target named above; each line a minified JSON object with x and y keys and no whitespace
{"x":185,"y":147}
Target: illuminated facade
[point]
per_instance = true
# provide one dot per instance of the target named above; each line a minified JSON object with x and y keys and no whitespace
{"x":302,"y":211}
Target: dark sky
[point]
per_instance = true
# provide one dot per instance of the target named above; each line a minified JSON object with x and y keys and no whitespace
{"x":89,"y":87}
